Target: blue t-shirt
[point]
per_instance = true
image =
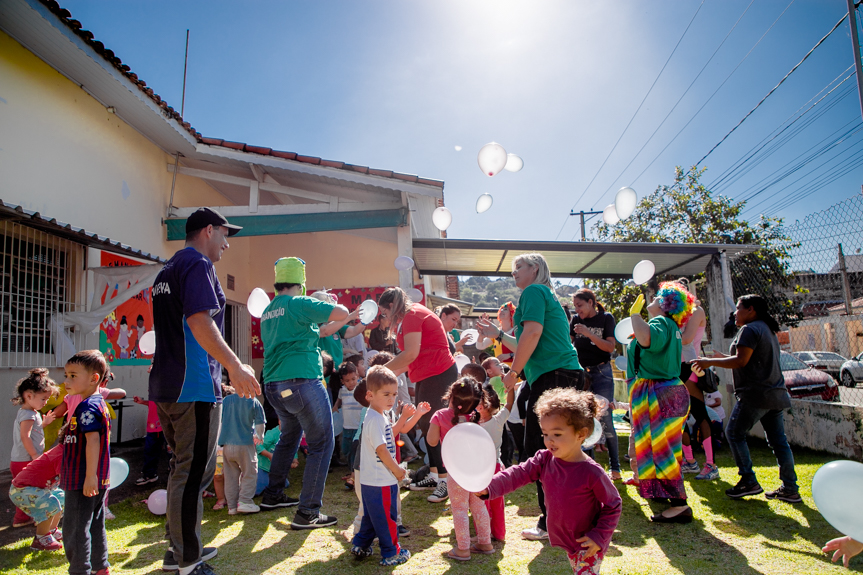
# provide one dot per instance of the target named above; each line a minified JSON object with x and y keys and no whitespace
{"x":91,"y":415}
{"x":240,"y":415}
{"x":182,"y":370}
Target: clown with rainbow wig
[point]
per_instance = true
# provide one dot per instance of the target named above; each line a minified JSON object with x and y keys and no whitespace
{"x":658,"y":399}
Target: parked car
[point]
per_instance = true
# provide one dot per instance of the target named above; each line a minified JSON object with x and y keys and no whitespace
{"x":852,"y":371}
{"x":804,"y":381}
{"x":826,"y":361}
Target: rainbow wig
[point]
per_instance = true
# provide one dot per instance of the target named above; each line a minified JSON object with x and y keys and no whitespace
{"x":676,"y":302}
{"x":506,"y":308}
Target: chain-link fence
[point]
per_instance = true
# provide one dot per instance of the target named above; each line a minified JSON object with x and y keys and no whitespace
{"x":817,"y":295}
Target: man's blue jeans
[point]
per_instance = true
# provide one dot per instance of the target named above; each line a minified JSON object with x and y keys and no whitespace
{"x":302,"y":405}
{"x":743,"y":418}
{"x":602,"y":384}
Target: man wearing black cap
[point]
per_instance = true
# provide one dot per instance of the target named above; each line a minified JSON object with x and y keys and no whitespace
{"x":186,"y":379}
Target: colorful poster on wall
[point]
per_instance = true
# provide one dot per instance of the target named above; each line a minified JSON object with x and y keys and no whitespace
{"x":121,"y":331}
{"x":351,"y":298}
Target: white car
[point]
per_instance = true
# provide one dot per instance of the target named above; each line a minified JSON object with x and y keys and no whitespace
{"x":825,"y":361}
{"x":852,"y":371}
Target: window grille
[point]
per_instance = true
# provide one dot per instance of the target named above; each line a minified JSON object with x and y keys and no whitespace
{"x":238,"y":331}
{"x":42,"y":276}
{"x":230,"y":282}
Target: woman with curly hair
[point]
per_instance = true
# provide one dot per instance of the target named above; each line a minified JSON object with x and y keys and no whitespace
{"x":658,"y":399}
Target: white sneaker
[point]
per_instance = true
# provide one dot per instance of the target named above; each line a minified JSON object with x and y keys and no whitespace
{"x":439,"y":494}
{"x":534,"y":534}
{"x":247,"y":508}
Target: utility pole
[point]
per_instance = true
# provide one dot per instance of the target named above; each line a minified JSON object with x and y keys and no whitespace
{"x":852,"y":20}
{"x":581,"y":215}
{"x":846,"y":285}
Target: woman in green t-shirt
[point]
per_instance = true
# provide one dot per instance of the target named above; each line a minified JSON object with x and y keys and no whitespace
{"x":658,"y":399}
{"x":543,"y":351}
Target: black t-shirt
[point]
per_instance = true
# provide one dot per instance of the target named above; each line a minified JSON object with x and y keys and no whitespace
{"x":602,"y":325}
{"x":760,"y":382}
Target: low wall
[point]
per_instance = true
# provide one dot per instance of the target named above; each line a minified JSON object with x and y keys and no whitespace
{"x":831,"y":427}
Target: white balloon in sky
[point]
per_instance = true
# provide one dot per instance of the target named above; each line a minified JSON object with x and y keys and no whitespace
{"x":625,"y":202}
{"x":483,"y":203}
{"x":513,"y":163}
{"x":458,"y":148}
{"x":643,"y":271}
{"x":257,"y":302}
{"x":442,"y":218}
{"x":609,"y":215}
{"x":491,"y":159}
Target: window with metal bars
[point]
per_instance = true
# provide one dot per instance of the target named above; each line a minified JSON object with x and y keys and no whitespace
{"x":40,"y":279}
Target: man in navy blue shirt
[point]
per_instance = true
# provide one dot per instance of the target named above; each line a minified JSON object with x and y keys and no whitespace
{"x":186,"y":378}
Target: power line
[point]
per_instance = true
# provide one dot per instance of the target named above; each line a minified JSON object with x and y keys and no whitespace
{"x":782,"y":81}
{"x":634,"y":115}
{"x":681,"y":98}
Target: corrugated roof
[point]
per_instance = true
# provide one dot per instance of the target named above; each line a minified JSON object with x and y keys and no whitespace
{"x":70,"y":232}
{"x":66,"y":18}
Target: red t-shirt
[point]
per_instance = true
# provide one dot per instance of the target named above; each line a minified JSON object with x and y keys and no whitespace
{"x":434,"y":357}
{"x":43,"y":472}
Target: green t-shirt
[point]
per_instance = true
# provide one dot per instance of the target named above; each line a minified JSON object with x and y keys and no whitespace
{"x":554,"y":349}
{"x":660,"y":361}
{"x":289,"y":331}
{"x":333,"y":345}
{"x":497,"y":383}
{"x":455,"y":335}
{"x":271,"y":438}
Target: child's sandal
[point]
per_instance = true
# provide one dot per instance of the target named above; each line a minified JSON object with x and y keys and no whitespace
{"x":219,"y":505}
{"x":452,"y":555}
{"x":475,"y":549}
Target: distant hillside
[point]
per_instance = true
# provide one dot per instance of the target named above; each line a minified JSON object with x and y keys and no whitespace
{"x":488,"y":292}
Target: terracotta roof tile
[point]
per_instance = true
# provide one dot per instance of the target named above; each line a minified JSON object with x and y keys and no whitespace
{"x":66,"y":17}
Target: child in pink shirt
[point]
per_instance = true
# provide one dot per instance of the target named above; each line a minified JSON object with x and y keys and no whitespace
{"x":463,"y":397}
{"x":583,"y":504}
{"x":154,"y":443}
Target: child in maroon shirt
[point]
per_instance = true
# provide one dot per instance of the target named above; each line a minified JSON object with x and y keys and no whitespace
{"x":583,"y":504}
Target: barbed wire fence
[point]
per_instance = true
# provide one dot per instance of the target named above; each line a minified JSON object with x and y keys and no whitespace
{"x":816,"y":293}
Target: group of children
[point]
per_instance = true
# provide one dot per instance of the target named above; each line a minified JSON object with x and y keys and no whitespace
{"x":72,"y":478}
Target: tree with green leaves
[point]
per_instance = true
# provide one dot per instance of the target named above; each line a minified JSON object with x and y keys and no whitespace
{"x":687,"y":212}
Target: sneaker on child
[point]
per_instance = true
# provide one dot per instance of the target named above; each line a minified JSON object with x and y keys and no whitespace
{"x":144,"y":480}
{"x":439,"y":494}
{"x":709,"y":472}
{"x":45,"y":543}
{"x":303,"y":521}
{"x":397,"y":559}
{"x":534,"y":534}
{"x":690,"y":467}
{"x":426,"y":484}
{"x":247,"y":508}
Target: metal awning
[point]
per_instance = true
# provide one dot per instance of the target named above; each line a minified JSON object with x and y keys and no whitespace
{"x":69,"y":232}
{"x":590,"y":260}
{"x":434,"y":301}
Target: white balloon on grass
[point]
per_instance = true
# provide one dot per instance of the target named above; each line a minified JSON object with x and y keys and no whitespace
{"x":483,"y":203}
{"x":609,"y":215}
{"x":492,"y":159}
{"x":368,"y":311}
{"x":469,"y":456}
{"x":595,"y":435}
{"x":513,"y":163}
{"x":837,"y":494}
{"x":403,"y":263}
{"x":623,"y":332}
{"x":461,"y":360}
{"x":157,"y":502}
{"x":118,"y":471}
{"x":415,"y":295}
{"x":643,"y":271}
{"x":442,"y":218}
{"x":257,"y":302}
{"x":625,"y":202}
{"x":147,"y":343}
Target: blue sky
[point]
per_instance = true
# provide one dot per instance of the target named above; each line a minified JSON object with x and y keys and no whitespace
{"x":397,"y":85}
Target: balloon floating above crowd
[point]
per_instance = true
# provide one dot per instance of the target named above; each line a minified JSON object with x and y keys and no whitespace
{"x":609,"y":215}
{"x":513,"y":163}
{"x":643,"y":271}
{"x":415,"y":295}
{"x":625,"y":202}
{"x":492,"y":158}
{"x":257,"y":302}
{"x":442,"y":218}
{"x":403,"y":263}
{"x":483,"y":203}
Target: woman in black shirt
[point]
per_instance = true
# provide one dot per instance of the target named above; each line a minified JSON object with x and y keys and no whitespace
{"x":592,"y":332}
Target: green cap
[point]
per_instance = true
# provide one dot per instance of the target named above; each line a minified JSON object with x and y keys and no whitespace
{"x":291,"y":271}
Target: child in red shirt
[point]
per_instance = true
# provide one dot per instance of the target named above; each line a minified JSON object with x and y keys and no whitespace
{"x":35,"y":491}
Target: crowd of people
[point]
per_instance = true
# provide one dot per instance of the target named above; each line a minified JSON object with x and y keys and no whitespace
{"x":538,"y":395}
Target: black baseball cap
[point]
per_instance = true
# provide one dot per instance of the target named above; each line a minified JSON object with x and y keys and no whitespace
{"x":204,"y":217}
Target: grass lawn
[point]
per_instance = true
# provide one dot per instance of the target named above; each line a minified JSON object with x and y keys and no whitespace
{"x":740,"y":537}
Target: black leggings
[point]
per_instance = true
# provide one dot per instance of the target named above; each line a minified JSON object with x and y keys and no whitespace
{"x":432,"y":389}
{"x":533,"y":441}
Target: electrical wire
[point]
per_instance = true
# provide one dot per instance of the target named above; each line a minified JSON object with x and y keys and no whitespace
{"x":782,"y":81}
{"x":634,"y":115}
{"x":681,"y":98}
{"x":834,"y":175}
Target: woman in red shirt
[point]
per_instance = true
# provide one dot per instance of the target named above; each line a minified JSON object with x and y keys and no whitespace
{"x":430,"y":365}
